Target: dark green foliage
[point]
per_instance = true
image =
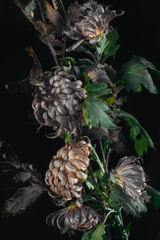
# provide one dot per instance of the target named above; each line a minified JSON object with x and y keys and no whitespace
{"x":137,"y":132}
{"x":135,"y":73}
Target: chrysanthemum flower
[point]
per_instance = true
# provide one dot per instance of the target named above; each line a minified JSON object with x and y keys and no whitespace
{"x":66,"y":170}
{"x":74,"y":218}
{"x":58,"y":101}
{"x":92,"y":21}
{"x":130,"y":176}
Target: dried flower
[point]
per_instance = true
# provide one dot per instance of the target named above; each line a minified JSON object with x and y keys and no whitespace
{"x":92,"y":20}
{"x":130,"y":176}
{"x":74,"y":218}
{"x":67,"y":169}
{"x":58,"y":101}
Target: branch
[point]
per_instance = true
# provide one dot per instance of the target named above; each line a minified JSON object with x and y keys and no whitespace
{"x":48,"y":42}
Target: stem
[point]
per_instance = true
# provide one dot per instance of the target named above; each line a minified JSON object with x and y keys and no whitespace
{"x":107,"y":161}
{"x":98,"y":161}
{"x":64,"y":47}
{"x":48,"y":42}
{"x":98,"y":189}
{"x":102,"y":152}
{"x":120,"y":224}
{"x":41,"y":12}
{"x":53,"y":52}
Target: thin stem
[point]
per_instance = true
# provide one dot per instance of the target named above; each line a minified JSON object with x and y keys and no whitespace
{"x":102,"y":153}
{"x":103,"y":194}
{"x":98,"y":161}
{"x":120,"y":224}
{"x":53,"y":52}
{"x":91,"y":174}
{"x":64,"y":47}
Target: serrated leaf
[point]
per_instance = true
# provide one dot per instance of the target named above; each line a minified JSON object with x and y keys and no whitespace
{"x":101,"y":44}
{"x":95,"y":234}
{"x":23,"y":198}
{"x":110,"y":46}
{"x":155,"y":195}
{"x":118,"y":199}
{"x":135,"y":73}
{"x":97,"y":89}
{"x":95,"y":112}
{"x":141,"y":143}
{"x":137,"y":130}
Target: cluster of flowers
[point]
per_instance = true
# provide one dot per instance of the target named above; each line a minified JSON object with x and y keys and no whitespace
{"x":59,"y":96}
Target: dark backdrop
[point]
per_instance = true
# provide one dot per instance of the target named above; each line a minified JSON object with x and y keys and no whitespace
{"x":139,"y":35}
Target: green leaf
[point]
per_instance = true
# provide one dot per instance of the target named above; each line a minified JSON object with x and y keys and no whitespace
{"x":118,"y":199}
{"x":70,"y":61}
{"x":89,"y":185}
{"x":87,"y":235}
{"x":155,"y":195}
{"x":66,"y":136}
{"x":86,"y":50}
{"x":142,"y":143}
{"x":95,"y":234}
{"x":97,"y":89}
{"x":95,"y":113}
{"x":86,"y":62}
{"x":110,"y":46}
{"x":135,"y":73}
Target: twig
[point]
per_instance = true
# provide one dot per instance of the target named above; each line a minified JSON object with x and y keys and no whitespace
{"x":48,"y":42}
{"x":53,"y":53}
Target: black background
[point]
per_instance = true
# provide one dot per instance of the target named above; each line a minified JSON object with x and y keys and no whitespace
{"x":139,"y":31}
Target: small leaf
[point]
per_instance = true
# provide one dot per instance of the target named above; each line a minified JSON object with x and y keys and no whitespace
{"x":110,"y":46}
{"x":89,"y":185}
{"x":66,"y":136}
{"x":95,"y":113}
{"x":134,"y":74}
{"x":69,"y":61}
{"x":137,"y":130}
{"x":141,"y":143}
